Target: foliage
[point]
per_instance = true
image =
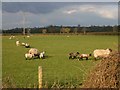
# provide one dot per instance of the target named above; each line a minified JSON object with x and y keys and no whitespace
{"x":64,"y":29}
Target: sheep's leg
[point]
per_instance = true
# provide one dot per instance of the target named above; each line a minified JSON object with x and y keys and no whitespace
{"x":95,"y":58}
{"x":81,"y":58}
{"x":74,"y":57}
{"x":70,"y":57}
{"x":38,"y":56}
{"x":78,"y":58}
{"x":86,"y":58}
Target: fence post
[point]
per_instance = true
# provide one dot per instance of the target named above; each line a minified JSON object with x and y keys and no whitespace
{"x":40,"y":76}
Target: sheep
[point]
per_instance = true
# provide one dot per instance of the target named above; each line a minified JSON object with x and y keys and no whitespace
{"x":73,"y":55}
{"x":17,"y":43}
{"x":28,"y":36}
{"x":23,"y":44}
{"x":35,"y":52}
{"x":81,"y":56}
{"x":27,"y":45}
{"x":42,"y":55}
{"x":11,"y":37}
{"x":28,"y":56}
{"x":101,"y":53}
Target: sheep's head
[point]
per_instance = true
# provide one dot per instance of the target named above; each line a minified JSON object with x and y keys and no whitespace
{"x":43,"y":52}
{"x":70,"y":53}
{"x":109,"y":49}
{"x":90,"y":54}
{"x":77,"y":53}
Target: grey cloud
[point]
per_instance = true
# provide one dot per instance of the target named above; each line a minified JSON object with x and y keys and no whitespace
{"x":32,"y":7}
{"x":40,"y":7}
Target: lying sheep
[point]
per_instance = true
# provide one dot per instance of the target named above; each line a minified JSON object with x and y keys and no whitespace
{"x":35,"y":52}
{"x":101,"y":53}
{"x":28,"y":56}
{"x":73,"y":55}
{"x":17,"y":43}
{"x":81,"y":56}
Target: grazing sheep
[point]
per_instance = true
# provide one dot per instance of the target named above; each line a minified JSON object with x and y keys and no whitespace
{"x":28,"y":56}
{"x":28,"y":36}
{"x":27,"y":45}
{"x":42,"y":55}
{"x":17,"y":43}
{"x":81,"y":56}
{"x":101,"y":53}
{"x":11,"y":37}
{"x":73,"y":55}
{"x":23,"y":44}
{"x":35,"y":52}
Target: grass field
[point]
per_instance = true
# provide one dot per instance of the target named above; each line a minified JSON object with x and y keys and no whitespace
{"x":57,"y":68}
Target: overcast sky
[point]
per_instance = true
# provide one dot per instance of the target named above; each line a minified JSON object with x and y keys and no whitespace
{"x":39,"y":14}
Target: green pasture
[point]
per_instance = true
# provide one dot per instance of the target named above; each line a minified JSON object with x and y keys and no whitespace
{"x":57,"y":68}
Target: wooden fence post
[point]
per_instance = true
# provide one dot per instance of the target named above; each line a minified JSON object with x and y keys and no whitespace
{"x":40,"y":76}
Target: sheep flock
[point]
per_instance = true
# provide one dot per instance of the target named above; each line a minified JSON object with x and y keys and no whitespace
{"x":33,"y":53}
{"x":97,"y":54}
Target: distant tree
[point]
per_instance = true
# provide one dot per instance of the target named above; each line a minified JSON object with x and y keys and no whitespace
{"x":115,"y":28}
{"x":28,"y":31}
{"x":75,"y":30}
{"x":44,"y":31}
{"x":84,"y":30}
{"x":51,"y":29}
{"x":65,"y":30}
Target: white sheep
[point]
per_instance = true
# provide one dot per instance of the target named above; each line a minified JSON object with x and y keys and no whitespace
{"x":28,"y":36}
{"x":11,"y":37}
{"x":28,"y":56}
{"x":42,"y":55}
{"x":101,"y":53}
{"x":23,"y":44}
{"x":17,"y":43}
{"x":27,"y":45}
{"x":81,"y":56}
{"x":34,"y":52}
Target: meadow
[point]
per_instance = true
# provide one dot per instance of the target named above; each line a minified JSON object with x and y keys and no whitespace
{"x":58,"y":70}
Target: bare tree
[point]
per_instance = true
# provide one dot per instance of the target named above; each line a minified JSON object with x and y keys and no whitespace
{"x":84,"y":30}
{"x":65,"y":30}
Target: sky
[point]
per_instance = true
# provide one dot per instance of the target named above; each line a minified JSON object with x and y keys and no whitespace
{"x":41,"y":14}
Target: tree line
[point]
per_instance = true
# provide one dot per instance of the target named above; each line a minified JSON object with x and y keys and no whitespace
{"x":62,"y":29}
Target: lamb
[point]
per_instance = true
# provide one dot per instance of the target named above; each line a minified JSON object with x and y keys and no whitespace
{"x":81,"y":56}
{"x":17,"y":43}
{"x":35,"y":52}
{"x":42,"y":55}
{"x":73,"y":55}
{"x":11,"y":37}
{"x":101,"y":53}
{"x":23,"y":44}
{"x":27,"y":45}
{"x":28,"y":56}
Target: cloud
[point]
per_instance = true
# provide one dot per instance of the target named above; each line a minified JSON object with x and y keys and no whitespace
{"x":70,"y":11}
{"x":44,"y":14}
{"x":108,"y":11}
{"x":33,"y":7}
